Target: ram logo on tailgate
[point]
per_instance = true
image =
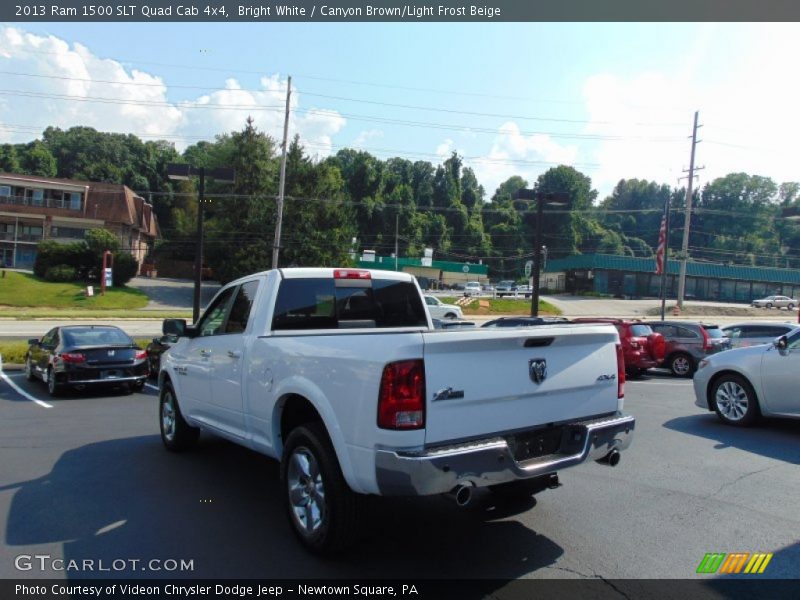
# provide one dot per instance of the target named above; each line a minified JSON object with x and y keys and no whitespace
{"x":537,"y":369}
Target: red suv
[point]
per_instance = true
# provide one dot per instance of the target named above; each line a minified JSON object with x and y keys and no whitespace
{"x":642,"y":348}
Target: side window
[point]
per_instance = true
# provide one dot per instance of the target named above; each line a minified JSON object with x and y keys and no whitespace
{"x":305,"y":304}
{"x":211,"y":323}
{"x":748,"y":332}
{"x":48,"y":338}
{"x":685,"y":333}
{"x":430,"y":301}
{"x":667,"y":331}
{"x":793,"y":341}
{"x":734,"y":333}
{"x":240,"y":311}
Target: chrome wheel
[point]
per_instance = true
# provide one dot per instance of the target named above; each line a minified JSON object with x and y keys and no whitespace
{"x":732,"y":400}
{"x":168,"y":416}
{"x":52,"y":388}
{"x":28,"y":370}
{"x":681,"y":365}
{"x":306,"y":490}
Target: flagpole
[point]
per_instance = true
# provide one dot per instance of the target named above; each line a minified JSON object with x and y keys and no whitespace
{"x":666,"y":257}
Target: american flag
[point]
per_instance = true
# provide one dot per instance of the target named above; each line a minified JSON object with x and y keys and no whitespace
{"x":662,"y":245}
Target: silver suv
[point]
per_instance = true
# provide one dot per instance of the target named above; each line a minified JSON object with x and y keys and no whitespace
{"x":756,"y":332}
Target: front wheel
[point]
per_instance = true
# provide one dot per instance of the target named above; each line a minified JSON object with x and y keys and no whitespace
{"x":790,"y":306}
{"x":176,"y":434}
{"x":450,"y":315}
{"x":769,"y":305}
{"x":681,"y":365}
{"x":322,"y":509}
{"x":735,"y":401}
{"x":29,"y":370}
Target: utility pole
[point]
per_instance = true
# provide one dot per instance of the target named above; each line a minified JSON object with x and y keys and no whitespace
{"x":396,"y":239}
{"x":276,"y":247}
{"x":688,"y":218}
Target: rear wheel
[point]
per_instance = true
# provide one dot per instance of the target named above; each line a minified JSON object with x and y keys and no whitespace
{"x":322,"y":509}
{"x":769,"y":304}
{"x":176,"y":433}
{"x":450,"y":315}
{"x":53,"y":388}
{"x":790,"y":306}
{"x":681,"y":365}
{"x":735,"y":400}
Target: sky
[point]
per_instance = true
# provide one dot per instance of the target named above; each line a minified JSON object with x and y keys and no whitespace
{"x":616,"y":101}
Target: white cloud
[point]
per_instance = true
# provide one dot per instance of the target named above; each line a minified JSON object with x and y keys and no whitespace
{"x":445,"y":149}
{"x":516,"y":153}
{"x":746,"y":96}
{"x":366,"y":135}
{"x":141,"y":105}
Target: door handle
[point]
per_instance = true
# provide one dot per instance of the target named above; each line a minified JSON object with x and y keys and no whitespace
{"x":235,"y":353}
{"x":205,"y":352}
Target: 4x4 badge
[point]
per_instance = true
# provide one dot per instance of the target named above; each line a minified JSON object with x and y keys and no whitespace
{"x":537,"y":369}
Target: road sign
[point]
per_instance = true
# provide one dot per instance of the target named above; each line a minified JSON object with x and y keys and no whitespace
{"x":528,"y":268}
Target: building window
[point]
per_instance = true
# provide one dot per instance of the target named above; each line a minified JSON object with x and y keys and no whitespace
{"x":5,"y":191}
{"x":35,"y":197}
{"x":67,"y":232}
{"x":75,"y":201}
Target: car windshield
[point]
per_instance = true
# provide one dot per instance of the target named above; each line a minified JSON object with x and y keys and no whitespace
{"x":95,"y":336}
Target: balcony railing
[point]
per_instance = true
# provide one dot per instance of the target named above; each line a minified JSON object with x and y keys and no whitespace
{"x":43,"y":203}
{"x":8,"y":236}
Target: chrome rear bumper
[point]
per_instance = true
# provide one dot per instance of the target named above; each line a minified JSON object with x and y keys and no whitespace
{"x":491,"y":461}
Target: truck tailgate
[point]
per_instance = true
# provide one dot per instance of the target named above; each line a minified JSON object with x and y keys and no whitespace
{"x":480,"y":382}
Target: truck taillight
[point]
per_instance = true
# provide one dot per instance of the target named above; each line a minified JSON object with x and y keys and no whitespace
{"x":620,"y":372}
{"x":401,"y":400}
{"x":72,"y":357}
{"x":351,"y":274}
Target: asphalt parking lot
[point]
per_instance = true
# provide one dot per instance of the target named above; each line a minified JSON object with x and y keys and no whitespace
{"x":85,"y":477}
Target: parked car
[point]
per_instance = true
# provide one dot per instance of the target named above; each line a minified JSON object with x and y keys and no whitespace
{"x":687,"y":343}
{"x":524,"y":290}
{"x":642,"y":348}
{"x":525,"y":321}
{"x":776,"y":302}
{"x":440,"y":310}
{"x":745,"y":383}
{"x":155,"y":349}
{"x":472,"y":288}
{"x":505,"y":287}
{"x":78,"y":356}
{"x":756,"y":332}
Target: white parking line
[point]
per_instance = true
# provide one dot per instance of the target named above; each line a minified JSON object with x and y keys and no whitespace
{"x":19,"y":390}
{"x":151,"y":386}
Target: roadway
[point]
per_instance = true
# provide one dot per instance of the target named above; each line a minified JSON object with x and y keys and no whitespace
{"x":85,"y":477}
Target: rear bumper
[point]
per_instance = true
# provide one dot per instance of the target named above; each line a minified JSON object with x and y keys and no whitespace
{"x":488,"y":462}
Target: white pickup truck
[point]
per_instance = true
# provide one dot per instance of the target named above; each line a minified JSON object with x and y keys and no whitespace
{"x":339,"y":374}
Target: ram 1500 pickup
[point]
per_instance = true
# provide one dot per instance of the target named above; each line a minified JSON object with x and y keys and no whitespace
{"x":340,"y":375}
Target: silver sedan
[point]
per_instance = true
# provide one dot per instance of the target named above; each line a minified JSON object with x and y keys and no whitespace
{"x":776,"y":302}
{"x":743,"y":384}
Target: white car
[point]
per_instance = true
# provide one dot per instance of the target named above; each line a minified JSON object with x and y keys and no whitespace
{"x":472,"y":288}
{"x":440,"y":310}
{"x":756,"y":332}
{"x":746,"y":383}
{"x":776,"y":302}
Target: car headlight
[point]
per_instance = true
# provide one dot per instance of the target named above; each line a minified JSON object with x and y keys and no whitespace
{"x":703,"y":363}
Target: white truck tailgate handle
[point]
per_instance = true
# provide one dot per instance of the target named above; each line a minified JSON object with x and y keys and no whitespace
{"x":235,"y":353}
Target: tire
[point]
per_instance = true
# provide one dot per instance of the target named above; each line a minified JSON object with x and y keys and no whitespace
{"x":155,"y":365}
{"x":769,"y":304}
{"x":681,"y":365}
{"x":53,"y":388}
{"x":176,"y":434}
{"x":450,"y":315}
{"x":137,"y":387}
{"x":322,"y":509}
{"x":790,"y":306}
{"x":29,"y":374}
{"x":735,"y":400}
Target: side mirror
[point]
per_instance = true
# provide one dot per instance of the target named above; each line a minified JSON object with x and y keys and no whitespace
{"x":176,"y":327}
{"x":33,"y":342}
{"x":781,"y":343}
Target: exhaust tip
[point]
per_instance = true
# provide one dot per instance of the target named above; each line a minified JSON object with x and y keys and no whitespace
{"x":611,"y":459}
{"x":461,"y":494}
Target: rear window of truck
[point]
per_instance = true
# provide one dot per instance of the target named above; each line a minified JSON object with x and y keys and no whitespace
{"x":320,"y":304}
